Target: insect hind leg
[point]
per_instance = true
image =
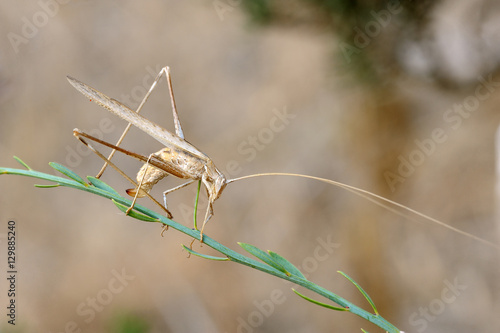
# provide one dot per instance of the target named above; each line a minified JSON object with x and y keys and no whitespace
{"x":79,"y":135}
{"x":178,"y":129}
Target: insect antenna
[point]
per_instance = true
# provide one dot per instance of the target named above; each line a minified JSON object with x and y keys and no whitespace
{"x":378,"y":200}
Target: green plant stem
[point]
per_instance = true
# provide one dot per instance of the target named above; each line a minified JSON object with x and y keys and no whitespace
{"x":231,"y":254}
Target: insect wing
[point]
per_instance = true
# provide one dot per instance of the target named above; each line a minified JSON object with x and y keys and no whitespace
{"x":122,"y":111}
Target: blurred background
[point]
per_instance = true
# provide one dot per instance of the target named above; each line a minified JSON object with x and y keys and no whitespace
{"x":395,"y":97}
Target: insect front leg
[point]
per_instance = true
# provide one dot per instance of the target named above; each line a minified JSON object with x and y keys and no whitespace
{"x":210,"y":208}
{"x":208,"y":215}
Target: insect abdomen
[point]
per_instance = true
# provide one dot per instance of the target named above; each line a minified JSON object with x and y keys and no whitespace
{"x":149,"y":175}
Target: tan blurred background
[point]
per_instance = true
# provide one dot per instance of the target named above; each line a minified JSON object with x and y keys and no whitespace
{"x":357,"y":107}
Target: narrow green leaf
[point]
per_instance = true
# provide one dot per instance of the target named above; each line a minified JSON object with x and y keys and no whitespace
{"x":269,"y":267}
{"x":263,"y":256}
{"x":195,"y":214}
{"x":67,"y":172}
{"x":364,"y":331}
{"x":22,"y":163}
{"x":135,"y":214}
{"x":286,"y":264}
{"x":328,"y":306}
{"x":368,"y":298}
{"x":47,"y":186}
{"x":204,"y":255}
{"x":102,"y":185}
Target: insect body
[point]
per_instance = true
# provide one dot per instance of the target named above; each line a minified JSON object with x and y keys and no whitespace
{"x":183,"y":160}
{"x":179,"y":157}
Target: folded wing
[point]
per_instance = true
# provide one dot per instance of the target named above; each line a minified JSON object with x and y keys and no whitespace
{"x":162,"y":135}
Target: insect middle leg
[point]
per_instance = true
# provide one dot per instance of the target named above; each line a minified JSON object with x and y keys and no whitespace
{"x":174,"y":189}
{"x":165,"y":199}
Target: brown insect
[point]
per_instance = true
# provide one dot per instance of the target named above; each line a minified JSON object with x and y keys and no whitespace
{"x":179,"y":157}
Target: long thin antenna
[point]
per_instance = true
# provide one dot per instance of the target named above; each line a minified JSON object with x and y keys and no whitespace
{"x":373,"y":198}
